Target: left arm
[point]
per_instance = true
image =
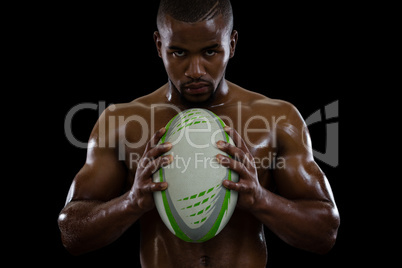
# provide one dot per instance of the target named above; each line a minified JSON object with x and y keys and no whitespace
{"x":304,"y":214}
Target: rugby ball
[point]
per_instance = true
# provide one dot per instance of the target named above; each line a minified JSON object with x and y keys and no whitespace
{"x":195,"y":206}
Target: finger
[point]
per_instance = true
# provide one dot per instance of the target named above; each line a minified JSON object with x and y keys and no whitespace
{"x":235,"y":186}
{"x":152,"y":166}
{"x":155,"y":139}
{"x":233,"y":151}
{"x":237,"y":139}
{"x":158,"y":150}
{"x":155,"y":187}
{"x":234,"y":165}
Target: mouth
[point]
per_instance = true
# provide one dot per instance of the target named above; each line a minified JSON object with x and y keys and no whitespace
{"x":196,"y":88}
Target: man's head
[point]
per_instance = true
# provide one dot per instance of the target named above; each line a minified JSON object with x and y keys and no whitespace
{"x":195,"y":40}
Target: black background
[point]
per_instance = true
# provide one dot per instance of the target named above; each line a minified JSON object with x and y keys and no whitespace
{"x":105,"y":53}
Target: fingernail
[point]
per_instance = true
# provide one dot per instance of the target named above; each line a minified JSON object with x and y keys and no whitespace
{"x":164,"y":185}
{"x":220,"y":144}
{"x":167,"y":145}
{"x":227,"y":128}
{"x":168,"y":158}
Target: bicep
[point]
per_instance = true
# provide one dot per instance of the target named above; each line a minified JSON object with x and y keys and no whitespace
{"x":103,"y":176}
{"x":300,"y":177}
{"x":101,"y":179}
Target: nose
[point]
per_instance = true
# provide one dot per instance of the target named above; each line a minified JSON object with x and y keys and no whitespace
{"x":195,"y":69}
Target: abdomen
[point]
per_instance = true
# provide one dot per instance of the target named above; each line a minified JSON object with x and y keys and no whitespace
{"x":240,"y":244}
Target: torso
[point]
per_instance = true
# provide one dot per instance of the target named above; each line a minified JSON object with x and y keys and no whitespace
{"x":242,"y":242}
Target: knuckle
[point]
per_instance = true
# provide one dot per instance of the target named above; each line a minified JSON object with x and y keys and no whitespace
{"x":238,"y":154}
{"x":250,"y":163}
{"x":242,"y":187}
{"x":155,"y":138}
{"x":144,"y":162}
{"x":167,"y":159}
{"x":153,"y":142}
{"x":225,"y":160}
{"x":160,"y":149}
{"x":230,"y":147}
{"x":152,"y":187}
{"x":236,"y":165}
{"x":145,"y":188}
{"x":164,"y":147}
{"x":150,"y":168}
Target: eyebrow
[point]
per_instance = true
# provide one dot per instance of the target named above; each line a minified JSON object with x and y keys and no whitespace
{"x":205,"y":48}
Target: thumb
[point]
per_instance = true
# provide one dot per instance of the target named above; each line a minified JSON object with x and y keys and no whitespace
{"x":155,"y":187}
{"x":231,"y":185}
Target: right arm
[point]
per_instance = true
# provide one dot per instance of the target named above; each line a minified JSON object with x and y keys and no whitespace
{"x":96,"y":211}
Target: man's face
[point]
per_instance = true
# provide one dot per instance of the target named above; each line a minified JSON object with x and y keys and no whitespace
{"x":195,"y":55}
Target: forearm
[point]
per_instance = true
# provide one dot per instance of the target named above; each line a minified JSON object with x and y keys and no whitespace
{"x":89,"y":225}
{"x":307,"y":224}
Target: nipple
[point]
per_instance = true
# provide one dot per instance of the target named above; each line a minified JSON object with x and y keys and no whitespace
{"x":205,"y":261}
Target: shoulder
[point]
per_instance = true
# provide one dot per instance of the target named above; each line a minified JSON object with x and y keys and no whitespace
{"x":116,"y":117}
{"x":138,"y":107}
{"x":284,"y":120}
{"x":262,"y":104}
{"x":134,"y":122}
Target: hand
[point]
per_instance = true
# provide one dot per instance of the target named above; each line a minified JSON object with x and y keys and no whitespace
{"x":149,"y":163}
{"x":243,"y":163}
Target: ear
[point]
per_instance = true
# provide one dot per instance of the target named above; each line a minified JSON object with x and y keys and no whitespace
{"x":233,"y":42}
{"x":158,"y":42}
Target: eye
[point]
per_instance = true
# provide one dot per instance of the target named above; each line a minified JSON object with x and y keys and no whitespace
{"x":210,"y":53}
{"x":179,"y":53}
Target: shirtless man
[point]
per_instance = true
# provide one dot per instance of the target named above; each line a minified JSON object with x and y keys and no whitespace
{"x":114,"y":189}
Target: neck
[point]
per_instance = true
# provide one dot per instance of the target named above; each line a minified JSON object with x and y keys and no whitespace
{"x":218,"y":98}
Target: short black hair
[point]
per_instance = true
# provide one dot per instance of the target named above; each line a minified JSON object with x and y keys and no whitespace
{"x":192,"y":11}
